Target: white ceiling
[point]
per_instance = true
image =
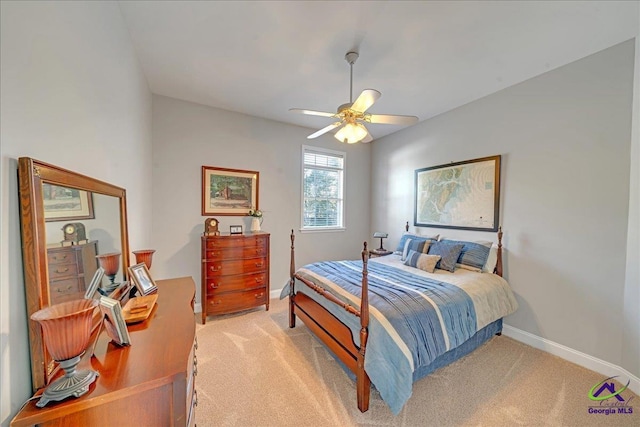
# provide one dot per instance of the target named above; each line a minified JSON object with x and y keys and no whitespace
{"x":263,"y":57}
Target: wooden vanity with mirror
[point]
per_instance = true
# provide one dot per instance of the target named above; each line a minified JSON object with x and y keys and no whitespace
{"x":57,"y":257}
{"x":43,"y":239}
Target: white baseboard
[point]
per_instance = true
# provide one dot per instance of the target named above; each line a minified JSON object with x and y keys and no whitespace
{"x":571,"y":355}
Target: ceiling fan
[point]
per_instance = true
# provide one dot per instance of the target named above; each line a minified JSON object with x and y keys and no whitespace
{"x":353,"y":114}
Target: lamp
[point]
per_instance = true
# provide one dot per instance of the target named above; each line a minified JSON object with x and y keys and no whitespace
{"x":66,"y":329}
{"x":351,"y":133}
{"x":111,"y":263}
{"x":144,"y":255}
{"x":380,"y":235}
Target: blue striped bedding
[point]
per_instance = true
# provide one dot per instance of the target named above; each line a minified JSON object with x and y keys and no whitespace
{"x":415,"y":317}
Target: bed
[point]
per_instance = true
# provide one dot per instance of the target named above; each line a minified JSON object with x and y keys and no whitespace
{"x":392,"y":320}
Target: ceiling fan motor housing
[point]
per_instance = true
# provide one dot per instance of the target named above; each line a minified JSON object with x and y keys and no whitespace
{"x":351,"y":57}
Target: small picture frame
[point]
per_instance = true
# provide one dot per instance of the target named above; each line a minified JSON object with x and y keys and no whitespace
{"x":235,"y":229}
{"x":114,"y":321}
{"x":95,"y":283}
{"x":142,"y":279}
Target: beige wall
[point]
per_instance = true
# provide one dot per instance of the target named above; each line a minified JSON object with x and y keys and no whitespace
{"x":187,"y":136}
{"x":72,"y":95}
{"x":564,"y":137}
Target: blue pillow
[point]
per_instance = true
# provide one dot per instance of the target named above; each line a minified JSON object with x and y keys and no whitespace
{"x":405,"y":236}
{"x":418,"y":245}
{"x":473,"y":254}
{"x":449,"y":251}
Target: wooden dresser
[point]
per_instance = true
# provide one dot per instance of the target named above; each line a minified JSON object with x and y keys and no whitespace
{"x":150,"y":383}
{"x":71,"y":269}
{"x":235,"y":272}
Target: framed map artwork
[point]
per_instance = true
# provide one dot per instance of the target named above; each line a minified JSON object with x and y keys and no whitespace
{"x":463,"y":195}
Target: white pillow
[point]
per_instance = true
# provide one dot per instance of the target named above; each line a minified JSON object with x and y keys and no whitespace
{"x":492,"y":259}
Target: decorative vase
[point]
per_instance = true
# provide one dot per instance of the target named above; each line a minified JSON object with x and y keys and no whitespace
{"x":111,"y":264}
{"x":144,"y":255}
{"x":255,"y":224}
{"x":66,"y":329}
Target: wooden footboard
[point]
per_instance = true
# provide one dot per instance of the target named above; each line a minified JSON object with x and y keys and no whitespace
{"x":331,"y":331}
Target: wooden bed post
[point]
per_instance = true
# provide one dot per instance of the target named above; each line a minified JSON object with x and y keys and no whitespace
{"x":498,"y":269}
{"x":292,"y":281}
{"x":363,"y":384}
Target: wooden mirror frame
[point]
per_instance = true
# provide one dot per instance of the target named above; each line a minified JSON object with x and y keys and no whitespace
{"x":31,"y":175}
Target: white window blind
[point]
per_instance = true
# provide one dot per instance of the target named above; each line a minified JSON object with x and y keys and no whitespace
{"x":322,"y":189}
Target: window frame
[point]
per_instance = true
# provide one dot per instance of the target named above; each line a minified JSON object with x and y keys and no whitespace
{"x":342,"y":214}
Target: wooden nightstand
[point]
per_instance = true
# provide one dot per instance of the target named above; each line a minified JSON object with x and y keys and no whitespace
{"x":378,"y":252}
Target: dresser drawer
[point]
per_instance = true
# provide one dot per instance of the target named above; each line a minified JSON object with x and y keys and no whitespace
{"x":235,"y":242}
{"x":237,"y":282}
{"x":226,"y":303}
{"x":230,"y":253}
{"x":235,"y":266}
{"x":60,"y":256}
{"x":60,"y":271}
{"x":66,"y":290}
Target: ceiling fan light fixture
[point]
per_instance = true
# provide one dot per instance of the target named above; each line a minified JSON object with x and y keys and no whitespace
{"x":351,"y":133}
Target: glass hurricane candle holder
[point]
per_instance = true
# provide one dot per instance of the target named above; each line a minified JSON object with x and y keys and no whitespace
{"x":66,"y":329}
{"x":144,"y":255}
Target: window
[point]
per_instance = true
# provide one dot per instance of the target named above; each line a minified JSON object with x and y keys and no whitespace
{"x":322,"y":189}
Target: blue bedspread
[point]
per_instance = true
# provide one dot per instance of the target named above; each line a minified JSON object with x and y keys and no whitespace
{"x":413,"y":319}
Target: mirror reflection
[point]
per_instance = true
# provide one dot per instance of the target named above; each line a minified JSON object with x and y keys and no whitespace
{"x":82,"y":233}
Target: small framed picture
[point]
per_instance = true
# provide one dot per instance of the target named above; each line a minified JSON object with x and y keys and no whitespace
{"x":114,"y":321}
{"x":142,"y":279}
{"x":235,"y":229}
{"x":95,"y":282}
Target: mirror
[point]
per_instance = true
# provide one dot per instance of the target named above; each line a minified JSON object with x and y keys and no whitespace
{"x":67,"y":221}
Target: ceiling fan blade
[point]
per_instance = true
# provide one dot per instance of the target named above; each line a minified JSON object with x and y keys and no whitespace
{"x":365,"y":100}
{"x":312,"y":112}
{"x":324,"y":130}
{"x":389,"y":119}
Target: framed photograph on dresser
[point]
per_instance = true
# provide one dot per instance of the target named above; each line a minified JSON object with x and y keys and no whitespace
{"x":142,"y":279}
{"x":114,"y":321}
{"x":229,"y":191}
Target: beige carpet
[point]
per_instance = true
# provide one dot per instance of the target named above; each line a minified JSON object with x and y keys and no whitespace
{"x":253,"y":370}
